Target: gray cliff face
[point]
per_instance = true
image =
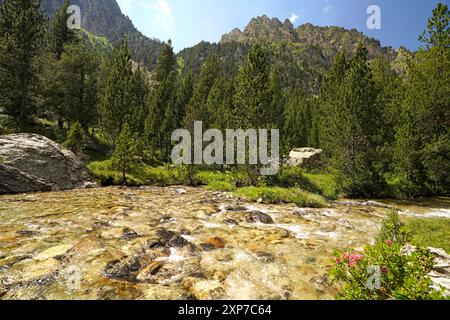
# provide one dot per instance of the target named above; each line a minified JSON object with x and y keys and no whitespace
{"x":30,"y":162}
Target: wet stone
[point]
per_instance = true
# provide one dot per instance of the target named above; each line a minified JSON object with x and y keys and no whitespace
{"x":257,"y":216}
{"x":165,"y":234}
{"x":27,"y":233}
{"x":266,"y":257}
{"x":234,"y":207}
{"x":345,"y":223}
{"x":125,"y":269}
{"x":230,"y":222}
{"x":147,"y":273}
{"x":177,"y":242}
{"x":129,"y":234}
{"x":169,"y":239}
{"x":165,"y":219}
{"x":217,"y":242}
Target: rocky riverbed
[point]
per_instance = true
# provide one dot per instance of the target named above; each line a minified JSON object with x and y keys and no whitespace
{"x":172,"y":243}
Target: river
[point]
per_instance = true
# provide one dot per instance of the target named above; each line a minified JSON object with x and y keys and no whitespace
{"x":167,"y":243}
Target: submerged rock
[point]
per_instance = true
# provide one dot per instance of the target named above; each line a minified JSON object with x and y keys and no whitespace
{"x":231,"y":222}
{"x":258,"y":216}
{"x":169,"y":239}
{"x":128,"y":234}
{"x":30,"y":162}
{"x":125,"y":269}
{"x":212,"y":244}
{"x":234,"y":207}
{"x":148,"y":272}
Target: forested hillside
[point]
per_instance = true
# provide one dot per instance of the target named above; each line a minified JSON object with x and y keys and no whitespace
{"x":380,"y":115}
{"x":104,"y":18}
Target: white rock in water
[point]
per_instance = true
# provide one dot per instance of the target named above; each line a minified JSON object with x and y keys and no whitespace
{"x":181,"y":191}
{"x":260,"y":200}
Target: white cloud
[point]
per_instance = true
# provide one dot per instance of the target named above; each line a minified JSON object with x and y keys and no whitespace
{"x":328,"y":8}
{"x":293,"y":17}
{"x":164,"y":14}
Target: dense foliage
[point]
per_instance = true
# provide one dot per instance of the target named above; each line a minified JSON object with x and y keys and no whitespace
{"x":383,"y":123}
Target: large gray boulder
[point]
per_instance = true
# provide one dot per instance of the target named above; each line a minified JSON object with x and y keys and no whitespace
{"x":304,"y":157}
{"x":30,"y":162}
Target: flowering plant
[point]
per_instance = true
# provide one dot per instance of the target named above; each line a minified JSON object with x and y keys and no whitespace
{"x":384,"y":271}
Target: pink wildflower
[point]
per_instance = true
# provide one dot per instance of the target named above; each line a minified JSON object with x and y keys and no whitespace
{"x":338,"y":261}
{"x":356,"y":257}
{"x":389,"y":242}
{"x":384,"y":270}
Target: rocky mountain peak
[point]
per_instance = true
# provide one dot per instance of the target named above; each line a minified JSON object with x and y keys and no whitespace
{"x":263,"y":28}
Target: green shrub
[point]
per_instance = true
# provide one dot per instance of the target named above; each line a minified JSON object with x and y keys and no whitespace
{"x":400,"y":188}
{"x":394,"y":229}
{"x":75,"y":139}
{"x":7,"y":125}
{"x":384,"y":271}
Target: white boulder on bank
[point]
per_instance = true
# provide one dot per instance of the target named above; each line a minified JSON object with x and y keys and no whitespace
{"x":304,"y":157}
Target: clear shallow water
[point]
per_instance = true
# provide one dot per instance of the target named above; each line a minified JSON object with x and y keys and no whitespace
{"x":112,"y":243}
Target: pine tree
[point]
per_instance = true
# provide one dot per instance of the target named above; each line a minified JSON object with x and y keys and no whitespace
{"x":51,"y":76}
{"x":329,"y":103}
{"x":77,"y":73}
{"x":167,"y":62}
{"x":297,"y":122}
{"x":75,"y":139}
{"x":60,"y":34}
{"x":22,"y":29}
{"x":197,"y":109}
{"x":175,"y":112}
{"x":140,"y":91}
{"x":422,"y":160}
{"x":159,"y":101}
{"x":220,"y":104}
{"x":438,"y":28}
{"x":117,"y":100}
{"x":124,"y":155}
{"x":278,"y":103}
{"x":158,"y":105}
{"x":351,"y":129}
{"x":253,"y":95}
{"x":389,"y":87}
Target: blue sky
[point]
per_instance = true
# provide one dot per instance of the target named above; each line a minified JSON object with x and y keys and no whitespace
{"x":188,"y":22}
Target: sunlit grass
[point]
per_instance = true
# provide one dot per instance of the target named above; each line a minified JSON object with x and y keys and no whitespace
{"x":430,"y":232}
{"x":275,"y":195}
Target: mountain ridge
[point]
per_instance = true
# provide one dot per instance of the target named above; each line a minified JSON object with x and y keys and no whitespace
{"x":105,"y":18}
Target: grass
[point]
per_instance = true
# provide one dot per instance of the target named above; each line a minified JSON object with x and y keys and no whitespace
{"x":275,"y":195}
{"x":323,"y":184}
{"x":430,"y":232}
{"x":139,"y":175}
{"x":142,"y":174}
